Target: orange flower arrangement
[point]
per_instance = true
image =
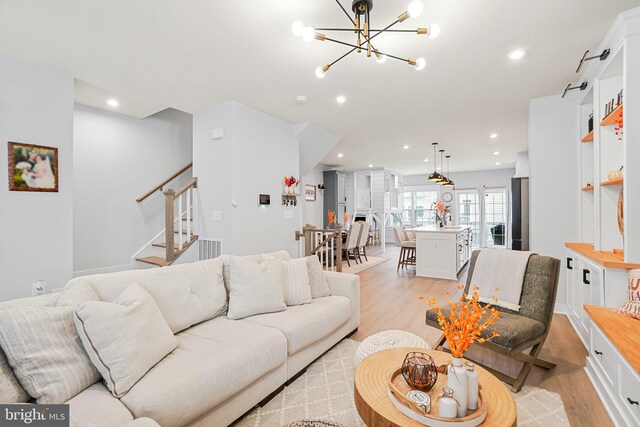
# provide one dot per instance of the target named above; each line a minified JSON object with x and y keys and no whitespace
{"x":332,"y":217}
{"x":440,"y":206}
{"x":345,"y":218}
{"x":464,"y":324}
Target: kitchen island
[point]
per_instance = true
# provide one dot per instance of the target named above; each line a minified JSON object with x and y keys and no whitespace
{"x":442,"y":252}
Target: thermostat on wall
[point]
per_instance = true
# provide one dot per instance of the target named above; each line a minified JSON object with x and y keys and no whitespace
{"x":264,"y":200}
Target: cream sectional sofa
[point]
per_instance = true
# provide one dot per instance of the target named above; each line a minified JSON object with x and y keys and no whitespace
{"x":221,"y":368}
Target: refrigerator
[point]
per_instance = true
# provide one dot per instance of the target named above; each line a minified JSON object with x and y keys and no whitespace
{"x":520,"y":214}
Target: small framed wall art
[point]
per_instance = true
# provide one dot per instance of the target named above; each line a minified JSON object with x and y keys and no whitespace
{"x":310,"y":192}
{"x":32,"y":167}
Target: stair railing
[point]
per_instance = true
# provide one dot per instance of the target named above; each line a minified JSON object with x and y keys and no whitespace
{"x":160,"y":186}
{"x":186,"y":210}
{"x":326,"y":244}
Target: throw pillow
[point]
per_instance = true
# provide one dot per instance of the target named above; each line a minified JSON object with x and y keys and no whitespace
{"x":43,"y":348}
{"x":255,"y":288}
{"x":297,"y":290}
{"x":317,"y":279}
{"x":75,"y":295}
{"x":631,"y":307}
{"x":125,"y":338}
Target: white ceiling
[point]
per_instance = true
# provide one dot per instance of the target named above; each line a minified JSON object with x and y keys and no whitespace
{"x":154,"y":54}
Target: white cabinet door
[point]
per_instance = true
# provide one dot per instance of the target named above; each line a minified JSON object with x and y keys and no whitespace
{"x":574,"y":295}
{"x":591,"y":279}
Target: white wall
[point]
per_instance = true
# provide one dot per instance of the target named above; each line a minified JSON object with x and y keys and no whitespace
{"x":522,"y":165}
{"x":36,"y":107}
{"x":117,"y":159}
{"x":554,"y":179}
{"x":313,"y":212}
{"x":257,"y":151}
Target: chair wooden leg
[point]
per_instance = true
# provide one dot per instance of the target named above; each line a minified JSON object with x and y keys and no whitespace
{"x":400,"y":259}
{"x":346,"y":253}
{"x":364,"y":252}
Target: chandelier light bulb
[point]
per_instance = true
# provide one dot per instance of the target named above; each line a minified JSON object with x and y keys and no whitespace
{"x":297,"y":28}
{"x":320,"y":73}
{"x":421,"y":63}
{"x":415,"y":9}
{"x":381,"y":59}
{"x":308,"y":34}
{"x":434,"y":31}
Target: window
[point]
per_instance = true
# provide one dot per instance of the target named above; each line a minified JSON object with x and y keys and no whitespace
{"x":418,"y":207}
{"x":469,"y":214}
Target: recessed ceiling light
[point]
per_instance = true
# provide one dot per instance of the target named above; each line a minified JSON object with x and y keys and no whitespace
{"x":341,"y":99}
{"x":514,"y":55}
{"x":497,"y":163}
{"x":496,"y":153}
{"x":493,"y":135}
{"x":301,"y":99}
{"x":113,"y":102}
{"x":439,"y":168}
{"x":370,"y":166}
{"x":340,"y":155}
{"x":405,"y":147}
{"x":426,"y":160}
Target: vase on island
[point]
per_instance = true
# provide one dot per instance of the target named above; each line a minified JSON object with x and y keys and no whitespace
{"x":457,"y":381}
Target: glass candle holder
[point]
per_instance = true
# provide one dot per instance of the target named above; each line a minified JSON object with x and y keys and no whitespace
{"x":419,"y":371}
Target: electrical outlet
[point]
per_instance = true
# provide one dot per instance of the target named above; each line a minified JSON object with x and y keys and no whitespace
{"x":288,"y":214}
{"x":38,"y":288}
{"x":217,"y":216}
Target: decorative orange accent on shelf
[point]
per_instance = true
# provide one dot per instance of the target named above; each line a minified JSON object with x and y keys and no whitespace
{"x":622,"y":331}
{"x":613,"y":117}
{"x":588,"y":188}
{"x":606,"y":259}
{"x":618,"y":181}
{"x":588,"y":138}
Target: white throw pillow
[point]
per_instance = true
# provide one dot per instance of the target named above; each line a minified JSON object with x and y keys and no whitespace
{"x":297,"y":290}
{"x":47,"y":357}
{"x":126,"y":338}
{"x":255,"y":288}
{"x":75,"y":295}
{"x":317,"y":279}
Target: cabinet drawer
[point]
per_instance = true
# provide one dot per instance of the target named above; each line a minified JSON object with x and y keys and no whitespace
{"x":604,"y":355}
{"x":629,"y":391}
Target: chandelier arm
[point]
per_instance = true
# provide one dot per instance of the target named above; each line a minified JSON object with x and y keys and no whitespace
{"x":355,"y":47}
{"x":342,"y":57}
{"x":372,"y":30}
{"x":346,"y":13}
{"x":352,"y":21}
{"x":381,"y":31}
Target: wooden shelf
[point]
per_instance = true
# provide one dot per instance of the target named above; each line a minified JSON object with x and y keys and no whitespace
{"x":588,"y":138}
{"x":587,"y":188}
{"x":613,"y":259}
{"x":612,"y":117}
{"x":618,"y":181}
{"x":622,"y":331}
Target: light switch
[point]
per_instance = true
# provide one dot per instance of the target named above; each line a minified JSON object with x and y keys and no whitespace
{"x":217,"y":216}
{"x":288,"y":214}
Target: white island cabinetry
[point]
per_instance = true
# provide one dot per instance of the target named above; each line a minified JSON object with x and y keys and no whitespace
{"x":442,"y":252}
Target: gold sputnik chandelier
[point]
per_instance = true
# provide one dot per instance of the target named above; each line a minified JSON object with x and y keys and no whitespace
{"x":365,"y":34}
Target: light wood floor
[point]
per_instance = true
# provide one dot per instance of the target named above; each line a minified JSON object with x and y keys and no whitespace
{"x":389,"y":300}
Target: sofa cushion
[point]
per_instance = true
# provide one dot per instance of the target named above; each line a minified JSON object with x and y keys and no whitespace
{"x":303,"y":325}
{"x":45,"y":352}
{"x":226,"y":259}
{"x":255,"y":288}
{"x":297,"y":290}
{"x":10,"y":389}
{"x":186,"y":294}
{"x":124,"y":339}
{"x":96,"y":407}
{"x":317,"y":279}
{"x":514,"y":329}
{"x":214,"y":360}
{"x":71,"y":297}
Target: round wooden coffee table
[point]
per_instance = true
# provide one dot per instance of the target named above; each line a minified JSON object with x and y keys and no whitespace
{"x":376,"y":410}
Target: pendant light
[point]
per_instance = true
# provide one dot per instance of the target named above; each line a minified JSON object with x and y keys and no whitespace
{"x":435,"y":176}
{"x":443,"y":178}
{"x":449,"y":182}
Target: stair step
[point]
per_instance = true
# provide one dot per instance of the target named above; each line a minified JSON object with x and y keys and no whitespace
{"x":154,"y":260}
{"x":176,"y":245}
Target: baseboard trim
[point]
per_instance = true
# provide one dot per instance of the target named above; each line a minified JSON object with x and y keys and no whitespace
{"x":103,"y":270}
{"x":561,"y":309}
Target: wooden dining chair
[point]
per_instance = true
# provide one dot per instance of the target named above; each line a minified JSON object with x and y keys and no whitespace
{"x":349,"y":249}
{"x":363,"y":239}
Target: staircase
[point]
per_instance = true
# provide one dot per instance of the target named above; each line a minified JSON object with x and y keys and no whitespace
{"x":180,"y":224}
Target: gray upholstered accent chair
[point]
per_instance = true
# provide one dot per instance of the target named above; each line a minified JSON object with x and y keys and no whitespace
{"x":520,"y":331}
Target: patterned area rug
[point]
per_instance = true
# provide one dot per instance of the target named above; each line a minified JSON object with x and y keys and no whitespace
{"x":325,"y":392}
{"x":357,"y":268}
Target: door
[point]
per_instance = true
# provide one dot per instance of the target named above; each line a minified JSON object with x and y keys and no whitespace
{"x":342,"y":185}
{"x":573,"y":301}
{"x":495,"y":218}
{"x":469,"y":214}
{"x":590,"y":277}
